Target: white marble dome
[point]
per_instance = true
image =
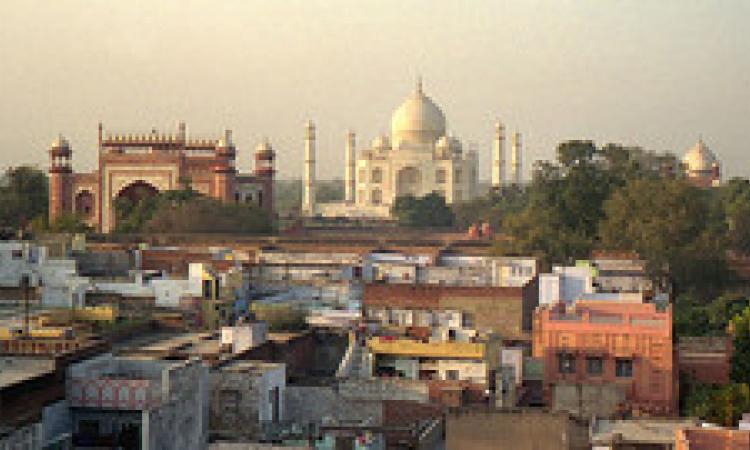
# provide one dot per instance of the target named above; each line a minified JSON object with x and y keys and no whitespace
{"x":699,"y":158}
{"x":417,"y":121}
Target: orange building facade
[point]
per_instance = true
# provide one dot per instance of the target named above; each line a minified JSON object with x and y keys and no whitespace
{"x":596,"y":343}
{"x":133,"y":166}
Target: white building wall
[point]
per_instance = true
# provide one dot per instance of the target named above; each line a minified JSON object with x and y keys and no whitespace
{"x":474,"y":371}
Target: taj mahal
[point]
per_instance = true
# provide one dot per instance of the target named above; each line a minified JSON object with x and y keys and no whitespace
{"x":418,"y":158}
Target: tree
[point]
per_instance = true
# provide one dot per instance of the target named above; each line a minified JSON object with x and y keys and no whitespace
{"x":187,"y":211}
{"x":207,"y":215}
{"x":741,"y":355}
{"x":667,"y":221}
{"x":735,"y":199}
{"x":492,"y":208}
{"x":428,"y":211}
{"x":24,"y":194}
{"x":723,"y":405}
{"x":68,"y":223}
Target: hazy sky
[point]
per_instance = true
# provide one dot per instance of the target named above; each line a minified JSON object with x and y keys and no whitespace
{"x":655,"y":73}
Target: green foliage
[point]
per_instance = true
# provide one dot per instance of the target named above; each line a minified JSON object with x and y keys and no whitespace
{"x":565,"y":200}
{"x":428,"y":211}
{"x":186,"y":211}
{"x":288,"y":194}
{"x":735,"y":199}
{"x":205,"y":215}
{"x":721,"y":405}
{"x":68,"y":223}
{"x":24,"y":193}
{"x":695,"y":316}
{"x":670,"y":224}
{"x":741,"y":356}
{"x":280,"y":317}
{"x":492,"y":208}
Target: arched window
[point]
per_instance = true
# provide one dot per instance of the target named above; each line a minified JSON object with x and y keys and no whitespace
{"x":84,"y":204}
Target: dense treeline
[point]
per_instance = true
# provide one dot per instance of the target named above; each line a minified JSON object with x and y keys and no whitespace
{"x":23,"y":197}
{"x":187,"y":211}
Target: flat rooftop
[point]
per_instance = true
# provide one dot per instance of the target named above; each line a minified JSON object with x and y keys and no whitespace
{"x":18,"y":370}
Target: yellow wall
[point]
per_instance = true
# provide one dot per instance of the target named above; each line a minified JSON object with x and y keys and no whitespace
{"x":406,"y":347}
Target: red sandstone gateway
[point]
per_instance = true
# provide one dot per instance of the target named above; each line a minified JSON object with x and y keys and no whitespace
{"x":135,"y":166}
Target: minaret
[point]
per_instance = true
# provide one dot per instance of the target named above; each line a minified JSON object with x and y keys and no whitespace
{"x":515,"y":159}
{"x":349,"y":181}
{"x":264,"y":171}
{"x":498,"y":156}
{"x":60,"y":179}
{"x":308,"y":200}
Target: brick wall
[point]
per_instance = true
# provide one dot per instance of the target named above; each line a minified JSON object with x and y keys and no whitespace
{"x":705,"y":359}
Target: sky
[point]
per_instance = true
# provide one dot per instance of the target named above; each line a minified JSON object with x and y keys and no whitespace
{"x":657,"y":74}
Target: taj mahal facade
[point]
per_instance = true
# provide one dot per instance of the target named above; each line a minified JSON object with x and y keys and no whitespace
{"x":418,"y":158}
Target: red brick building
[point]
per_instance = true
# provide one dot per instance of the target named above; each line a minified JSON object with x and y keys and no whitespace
{"x":712,"y":439}
{"x":705,"y":359}
{"x":610,"y":343}
{"x":134,"y":166}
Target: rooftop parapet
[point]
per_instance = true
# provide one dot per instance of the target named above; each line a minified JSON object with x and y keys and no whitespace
{"x":407,"y":347}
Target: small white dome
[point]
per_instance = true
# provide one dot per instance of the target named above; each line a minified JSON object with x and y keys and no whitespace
{"x":699,"y":158}
{"x":60,"y":142}
{"x":381,"y":143}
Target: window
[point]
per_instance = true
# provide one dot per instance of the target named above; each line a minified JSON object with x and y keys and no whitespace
{"x":566,"y":363}
{"x":458,"y":197}
{"x":451,"y":375}
{"x":16,"y":254}
{"x":229,"y":399}
{"x":88,"y":427}
{"x":377,"y":197}
{"x":377,"y":175}
{"x":207,"y":289}
{"x":594,"y":365}
{"x":362,"y":175}
{"x":457,"y":176}
{"x":624,"y":368}
{"x":440,"y":176}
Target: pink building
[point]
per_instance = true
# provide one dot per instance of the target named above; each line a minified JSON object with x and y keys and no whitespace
{"x":610,"y":343}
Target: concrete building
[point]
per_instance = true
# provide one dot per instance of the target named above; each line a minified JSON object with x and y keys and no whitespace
{"x":637,"y":434}
{"x":151,"y":404}
{"x":245,"y":396}
{"x":607,"y":276}
{"x":625,"y":345}
{"x":420,"y":157}
{"x":414,"y":360}
{"x":521,"y":429}
{"x":33,"y":414}
{"x":135,"y":166}
{"x":506,"y":311}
